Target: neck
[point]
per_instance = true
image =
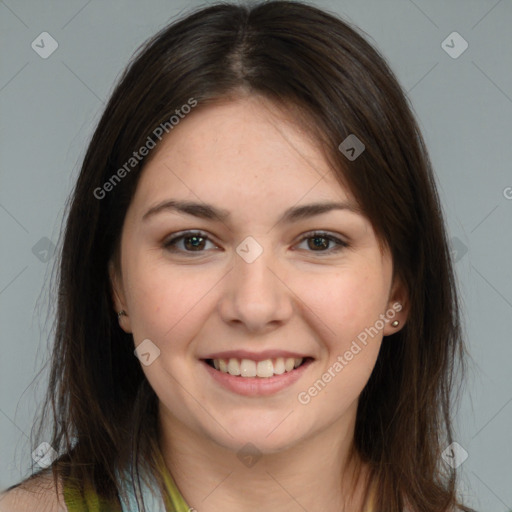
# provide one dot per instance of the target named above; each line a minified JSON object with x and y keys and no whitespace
{"x":318,"y":473}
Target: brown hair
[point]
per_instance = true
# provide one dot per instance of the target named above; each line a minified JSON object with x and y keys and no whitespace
{"x":309,"y":60}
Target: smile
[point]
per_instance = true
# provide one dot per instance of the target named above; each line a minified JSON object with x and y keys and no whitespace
{"x":256,"y":378}
{"x":249,"y":368}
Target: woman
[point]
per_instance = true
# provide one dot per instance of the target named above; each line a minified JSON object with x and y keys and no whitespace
{"x":256,"y":216}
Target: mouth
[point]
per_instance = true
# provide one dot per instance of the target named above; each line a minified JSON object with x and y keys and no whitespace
{"x":252,"y":378}
{"x":265,"y":369}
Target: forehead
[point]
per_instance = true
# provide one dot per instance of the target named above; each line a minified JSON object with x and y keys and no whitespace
{"x":248,"y":147}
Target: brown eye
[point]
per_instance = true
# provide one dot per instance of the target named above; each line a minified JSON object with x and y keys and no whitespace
{"x":188,"y":242}
{"x":320,"y":242}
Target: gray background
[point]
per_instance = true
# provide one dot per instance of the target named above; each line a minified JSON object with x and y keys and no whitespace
{"x":49,"y":108}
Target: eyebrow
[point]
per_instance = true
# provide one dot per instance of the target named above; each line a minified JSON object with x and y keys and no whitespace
{"x":210,"y":212}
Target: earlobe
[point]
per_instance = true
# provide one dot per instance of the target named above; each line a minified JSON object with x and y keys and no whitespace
{"x":395,"y":318}
{"x":398,"y":308}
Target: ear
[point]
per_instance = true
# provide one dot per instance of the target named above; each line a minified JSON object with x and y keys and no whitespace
{"x":397,"y":308}
{"x":118,"y":297}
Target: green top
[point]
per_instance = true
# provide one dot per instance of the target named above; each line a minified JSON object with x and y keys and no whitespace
{"x":93,"y":503}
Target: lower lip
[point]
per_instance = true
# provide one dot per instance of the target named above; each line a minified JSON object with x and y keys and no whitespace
{"x":257,"y":386}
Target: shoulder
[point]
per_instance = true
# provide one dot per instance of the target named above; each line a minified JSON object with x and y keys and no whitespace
{"x":37,"y":494}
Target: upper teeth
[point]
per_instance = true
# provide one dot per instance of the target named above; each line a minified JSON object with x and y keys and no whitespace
{"x":265,"y":368}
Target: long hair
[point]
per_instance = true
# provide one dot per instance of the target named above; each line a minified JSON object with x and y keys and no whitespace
{"x":102,"y":408}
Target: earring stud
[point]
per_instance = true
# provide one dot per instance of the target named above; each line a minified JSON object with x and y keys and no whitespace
{"x":121,"y":313}
{"x":395,"y":323}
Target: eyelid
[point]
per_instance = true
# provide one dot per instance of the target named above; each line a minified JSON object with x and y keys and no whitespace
{"x":340,"y":243}
{"x":322,"y":233}
{"x":175,"y":237}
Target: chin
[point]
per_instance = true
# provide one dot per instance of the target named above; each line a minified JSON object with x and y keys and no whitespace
{"x":266,"y":439}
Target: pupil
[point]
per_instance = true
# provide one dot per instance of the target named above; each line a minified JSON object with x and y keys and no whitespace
{"x":195,"y":244}
{"x":318,"y":244}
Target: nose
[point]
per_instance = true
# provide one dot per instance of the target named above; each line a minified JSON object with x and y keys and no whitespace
{"x":255,"y":296}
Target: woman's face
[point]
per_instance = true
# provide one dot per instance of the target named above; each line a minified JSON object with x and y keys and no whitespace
{"x":255,"y":290}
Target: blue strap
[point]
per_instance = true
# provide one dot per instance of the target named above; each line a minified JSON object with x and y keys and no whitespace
{"x":152,"y":499}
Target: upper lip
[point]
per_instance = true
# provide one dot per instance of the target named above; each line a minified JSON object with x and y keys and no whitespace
{"x":254,"y":356}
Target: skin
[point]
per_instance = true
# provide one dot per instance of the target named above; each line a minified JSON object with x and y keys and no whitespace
{"x":247,"y":156}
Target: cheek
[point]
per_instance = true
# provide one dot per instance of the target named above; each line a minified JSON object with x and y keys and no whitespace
{"x":165,"y":299}
{"x":344,"y":309}
{"x":343,"y":304}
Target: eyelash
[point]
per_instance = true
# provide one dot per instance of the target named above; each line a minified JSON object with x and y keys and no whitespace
{"x":170,"y":244}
